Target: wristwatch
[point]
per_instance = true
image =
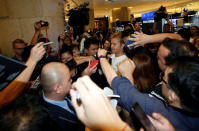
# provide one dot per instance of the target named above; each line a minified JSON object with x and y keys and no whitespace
{"x":101,"y":57}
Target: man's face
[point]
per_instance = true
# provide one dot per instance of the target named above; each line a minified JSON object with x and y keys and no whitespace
{"x":166,"y":28}
{"x":162,"y":53}
{"x":67,"y":81}
{"x":165,"y":90}
{"x":19,"y":48}
{"x":137,"y":27}
{"x":92,"y":50}
{"x":193,"y":30}
{"x":116,"y":47}
{"x":76,"y":52}
{"x":66,"y":57}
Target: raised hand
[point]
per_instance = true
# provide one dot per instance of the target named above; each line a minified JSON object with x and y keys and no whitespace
{"x":95,"y":110}
{"x":89,"y":71}
{"x":140,"y":39}
{"x":37,"y":52}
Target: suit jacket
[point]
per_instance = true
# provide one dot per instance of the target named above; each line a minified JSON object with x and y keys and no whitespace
{"x":64,"y":119}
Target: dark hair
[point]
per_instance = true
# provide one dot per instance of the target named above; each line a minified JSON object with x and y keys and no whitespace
{"x":185,"y":33}
{"x":66,"y":50}
{"x":128,"y":25}
{"x":106,"y":39}
{"x":126,"y":33}
{"x":43,"y":40}
{"x":184,"y":82}
{"x":26,"y":53}
{"x":144,"y":74}
{"x":17,"y":41}
{"x":90,"y":41}
{"x":75,"y":47}
{"x":27,"y":114}
{"x":178,"y":48}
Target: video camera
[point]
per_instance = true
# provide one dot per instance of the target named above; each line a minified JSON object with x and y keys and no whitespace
{"x":43,"y":23}
{"x":160,"y":14}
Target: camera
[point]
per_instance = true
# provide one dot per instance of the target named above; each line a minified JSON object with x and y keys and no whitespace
{"x":160,"y":14}
{"x":43,"y":23}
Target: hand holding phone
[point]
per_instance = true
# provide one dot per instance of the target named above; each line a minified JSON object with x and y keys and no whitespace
{"x":129,"y":42}
{"x":94,"y":63}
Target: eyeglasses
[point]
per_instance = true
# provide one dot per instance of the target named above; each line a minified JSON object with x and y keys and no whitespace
{"x":162,"y":79}
{"x":19,"y":48}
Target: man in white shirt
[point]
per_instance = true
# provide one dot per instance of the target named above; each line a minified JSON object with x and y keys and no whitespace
{"x":117,"y":48}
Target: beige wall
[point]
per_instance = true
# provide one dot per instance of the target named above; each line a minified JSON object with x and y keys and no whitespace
{"x":120,"y":13}
{"x":17,"y":18}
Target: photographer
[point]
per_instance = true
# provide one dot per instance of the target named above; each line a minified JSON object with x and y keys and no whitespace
{"x":159,"y":15}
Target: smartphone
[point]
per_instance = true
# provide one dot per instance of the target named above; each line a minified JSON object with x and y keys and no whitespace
{"x":130,"y":42}
{"x":142,"y":118}
{"x":93,"y":63}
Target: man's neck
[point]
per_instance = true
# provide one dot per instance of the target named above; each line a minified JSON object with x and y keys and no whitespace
{"x":54,"y":97}
{"x":119,"y":54}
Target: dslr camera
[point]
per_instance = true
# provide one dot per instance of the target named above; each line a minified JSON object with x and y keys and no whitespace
{"x":160,"y":14}
{"x":43,"y":23}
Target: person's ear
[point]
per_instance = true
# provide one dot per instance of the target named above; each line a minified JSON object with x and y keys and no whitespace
{"x":56,"y":88}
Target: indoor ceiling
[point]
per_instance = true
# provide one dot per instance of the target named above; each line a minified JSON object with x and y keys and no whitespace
{"x":102,"y":7}
{"x":105,"y":7}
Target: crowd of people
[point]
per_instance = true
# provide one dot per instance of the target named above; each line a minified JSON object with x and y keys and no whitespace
{"x":63,"y":89}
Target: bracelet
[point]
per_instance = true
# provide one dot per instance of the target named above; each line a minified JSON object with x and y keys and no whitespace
{"x":123,"y":129}
{"x":101,"y":57}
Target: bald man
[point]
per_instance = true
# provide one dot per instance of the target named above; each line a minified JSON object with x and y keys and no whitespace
{"x":56,"y":83}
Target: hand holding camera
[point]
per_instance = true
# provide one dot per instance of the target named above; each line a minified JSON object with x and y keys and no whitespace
{"x":38,"y":25}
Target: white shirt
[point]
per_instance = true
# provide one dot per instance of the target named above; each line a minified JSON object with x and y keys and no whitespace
{"x":116,"y":60}
{"x":62,"y":103}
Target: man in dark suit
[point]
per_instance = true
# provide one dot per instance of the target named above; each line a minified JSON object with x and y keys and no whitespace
{"x":56,"y":83}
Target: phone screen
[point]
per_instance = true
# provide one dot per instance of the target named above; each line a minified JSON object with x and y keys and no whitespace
{"x":141,"y":116}
{"x":129,"y":42}
{"x":93,"y":63}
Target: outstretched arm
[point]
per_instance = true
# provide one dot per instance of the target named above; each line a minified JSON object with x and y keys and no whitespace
{"x":142,"y":39}
{"x":17,"y":86}
{"x":106,"y":67}
{"x":93,"y":99}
